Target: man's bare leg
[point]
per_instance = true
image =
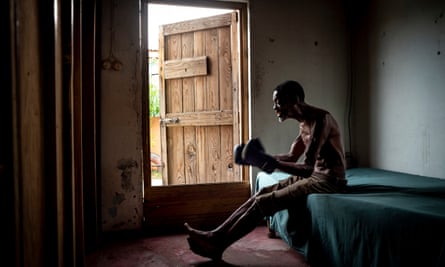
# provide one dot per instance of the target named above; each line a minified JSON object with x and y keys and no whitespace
{"x":211,"y":244}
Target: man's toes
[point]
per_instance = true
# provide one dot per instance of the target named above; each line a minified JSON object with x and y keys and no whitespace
{"x":204,"y":250}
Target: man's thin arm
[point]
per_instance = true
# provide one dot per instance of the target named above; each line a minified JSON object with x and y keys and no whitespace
{"x":296,"y":150}
{"x":288,"y":162}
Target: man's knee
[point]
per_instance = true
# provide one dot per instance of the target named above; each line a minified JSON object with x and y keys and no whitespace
{"x":264,"y":190}
{"x":266,"y":204}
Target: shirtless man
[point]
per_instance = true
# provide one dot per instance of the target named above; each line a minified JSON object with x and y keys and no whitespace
{"x":322,"y":170}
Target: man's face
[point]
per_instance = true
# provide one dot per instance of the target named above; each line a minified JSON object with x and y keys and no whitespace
{"x":280,"y":108}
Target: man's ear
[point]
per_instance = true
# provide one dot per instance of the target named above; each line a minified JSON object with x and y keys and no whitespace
{"x":299,"y":100}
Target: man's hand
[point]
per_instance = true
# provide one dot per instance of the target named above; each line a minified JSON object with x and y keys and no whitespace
{"x":253,"y":153}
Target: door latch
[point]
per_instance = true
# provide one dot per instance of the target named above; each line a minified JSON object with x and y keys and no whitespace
{"x":169,"y":120}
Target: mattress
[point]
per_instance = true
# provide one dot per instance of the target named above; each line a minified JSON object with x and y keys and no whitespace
{"x":385,"y":219}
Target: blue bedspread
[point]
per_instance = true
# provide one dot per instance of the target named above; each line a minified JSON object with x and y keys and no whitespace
{"x":385,"y":219}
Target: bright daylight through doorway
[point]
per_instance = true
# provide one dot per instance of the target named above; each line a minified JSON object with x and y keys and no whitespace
{"x":160,"y":15}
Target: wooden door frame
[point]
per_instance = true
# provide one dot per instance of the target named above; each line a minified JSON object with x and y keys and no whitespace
{"x":49,"y":118}
{"x":229,"y":190}
{"x":244,"y":77}
{"x":45,"y":117}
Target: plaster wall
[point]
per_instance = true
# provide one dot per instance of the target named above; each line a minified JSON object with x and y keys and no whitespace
{"x":306,"y":41}
{"x":396,"y":73}
{"x":301,"y":40}
{"x":399,"y":107}
{"x":120,"y":118}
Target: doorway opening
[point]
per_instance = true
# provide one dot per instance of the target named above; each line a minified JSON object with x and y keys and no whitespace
{"x":159,"y":15}
{"x":198,"y":108}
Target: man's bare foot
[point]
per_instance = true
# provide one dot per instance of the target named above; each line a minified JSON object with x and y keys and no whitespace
{"x":204,"y":250}
{"x":193,"y":231}
{"x":203,"y":244}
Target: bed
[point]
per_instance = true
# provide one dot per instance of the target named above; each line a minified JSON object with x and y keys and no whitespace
{"x":385,"y":218}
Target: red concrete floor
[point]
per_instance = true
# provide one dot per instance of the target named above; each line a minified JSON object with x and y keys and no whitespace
{"x":255,"y":249}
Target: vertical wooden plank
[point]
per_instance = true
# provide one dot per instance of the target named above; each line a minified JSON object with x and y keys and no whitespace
{"x":213,"y":133}
{"x":199,"y":50}
{"x":175,"y":140}
{"x":225,"y":69}
{"x":29,"y":144}
{"x":214,"y":154}
{"x":188,"y":83}
{"x":201,"y":154}
{"x":190,"y":149}
{"x":189,"y":106}
{"x":225,"y":100}
{"x":173,"y":88}
{"x":212,"y":79}
{"x":89,"y":123}
{"x":227,"y":163}
{"x":175,"y":134}
{"x":162,"y":106}
{"x":200,"y":104}
{"x":175,"y":146}
{"x":236,"y":90}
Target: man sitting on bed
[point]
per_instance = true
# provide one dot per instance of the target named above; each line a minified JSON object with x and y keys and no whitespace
{"x":322,"y":170}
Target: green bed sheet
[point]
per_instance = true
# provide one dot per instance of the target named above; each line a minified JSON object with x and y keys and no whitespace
{"x":385,"y":219}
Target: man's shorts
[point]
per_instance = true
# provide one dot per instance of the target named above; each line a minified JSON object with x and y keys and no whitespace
{"x":292,"y":192}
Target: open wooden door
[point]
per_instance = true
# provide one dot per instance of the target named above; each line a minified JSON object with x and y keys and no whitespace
{"x":200,"y":124}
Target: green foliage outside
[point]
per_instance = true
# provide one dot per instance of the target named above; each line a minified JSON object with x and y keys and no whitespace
{"x":154,"y":100}
{"x":153,"y":88}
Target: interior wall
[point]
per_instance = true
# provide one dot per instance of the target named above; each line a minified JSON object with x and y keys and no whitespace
{"x":399,"y":118}
{"x":305,"y":41}
{"x":120,"y":117}
{"x":397,"y":80}
{"x":302,"y":40}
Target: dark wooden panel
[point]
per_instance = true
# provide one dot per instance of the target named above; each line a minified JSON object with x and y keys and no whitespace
{"x":200,"y":205}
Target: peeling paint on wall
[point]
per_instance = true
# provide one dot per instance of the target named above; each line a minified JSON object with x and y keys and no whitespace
{"x":112,"y":212}
{"x":439,"y":17}
{"x":118,"y":198}
{"x":127,"y":167}
{"x":121,"y":124}
{"x":442,"y":34}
